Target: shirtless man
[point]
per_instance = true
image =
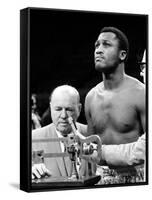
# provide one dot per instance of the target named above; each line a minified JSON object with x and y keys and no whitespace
{"x":115,"y":108}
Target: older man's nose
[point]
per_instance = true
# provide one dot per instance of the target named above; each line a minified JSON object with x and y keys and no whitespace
{"x":64,"y":113}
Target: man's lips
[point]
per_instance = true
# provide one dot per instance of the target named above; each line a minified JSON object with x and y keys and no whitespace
{"x":64,"y":123}
{"x":99,"y":58}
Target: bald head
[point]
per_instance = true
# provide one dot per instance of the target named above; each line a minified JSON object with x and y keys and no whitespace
{"x":64,"y":102}
{"x":66,"y":89}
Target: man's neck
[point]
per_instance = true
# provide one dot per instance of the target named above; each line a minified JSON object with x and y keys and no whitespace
{"x":113,"y":80}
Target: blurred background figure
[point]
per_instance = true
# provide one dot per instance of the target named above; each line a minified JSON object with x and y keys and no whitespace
{"x":36,"y":120}
{"x":46,"y":117}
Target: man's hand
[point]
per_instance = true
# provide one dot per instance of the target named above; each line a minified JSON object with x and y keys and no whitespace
{"x":39,"y":171}
{"x":94,"y":157}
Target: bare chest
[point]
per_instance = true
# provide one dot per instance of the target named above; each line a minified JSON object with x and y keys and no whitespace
{"x":114,"y":111}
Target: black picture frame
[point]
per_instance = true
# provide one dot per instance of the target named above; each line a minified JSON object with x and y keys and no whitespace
{"x":56,"y":47}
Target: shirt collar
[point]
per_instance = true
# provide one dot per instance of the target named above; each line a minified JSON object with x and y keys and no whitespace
{"x":59,"y":134}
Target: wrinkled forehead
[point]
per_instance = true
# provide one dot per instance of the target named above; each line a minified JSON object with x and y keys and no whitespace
{"x":107,"y":36}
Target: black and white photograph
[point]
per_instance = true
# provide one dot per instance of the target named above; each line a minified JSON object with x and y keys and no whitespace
{"x":83,"y":99}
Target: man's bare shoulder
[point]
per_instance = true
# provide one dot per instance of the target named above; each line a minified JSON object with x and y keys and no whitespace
{"x":97,"y":88}
{"x":135,"y":84}
{"x":136,"y":91}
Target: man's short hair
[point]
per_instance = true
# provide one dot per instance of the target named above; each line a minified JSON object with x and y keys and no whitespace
{"x":123,"y":41}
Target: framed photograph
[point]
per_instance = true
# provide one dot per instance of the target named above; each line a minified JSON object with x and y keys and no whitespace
{"x":83,"y":99}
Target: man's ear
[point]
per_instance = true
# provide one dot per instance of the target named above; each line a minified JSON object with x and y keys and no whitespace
{"x":122,"y":55}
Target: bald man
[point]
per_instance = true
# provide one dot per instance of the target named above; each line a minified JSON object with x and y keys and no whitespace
{"x":64,"y":102}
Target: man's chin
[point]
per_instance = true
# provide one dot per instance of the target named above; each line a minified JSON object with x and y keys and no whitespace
{"x":64,"y":130}
{"x":104,"y":69}
{"x":100,"y":68}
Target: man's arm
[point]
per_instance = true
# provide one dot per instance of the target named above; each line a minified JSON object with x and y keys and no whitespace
{"x":90,"y":128}
{"x":124,"y":154}
{"x":141,"y":104}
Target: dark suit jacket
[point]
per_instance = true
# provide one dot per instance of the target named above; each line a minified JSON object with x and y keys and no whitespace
{"x":58,"y":166}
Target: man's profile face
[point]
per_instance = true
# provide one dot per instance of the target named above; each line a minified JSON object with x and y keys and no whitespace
{"x":106,"y":51}
{"x":64,"y":105}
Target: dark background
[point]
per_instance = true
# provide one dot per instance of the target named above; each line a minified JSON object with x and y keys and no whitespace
{"x":62,"y":49}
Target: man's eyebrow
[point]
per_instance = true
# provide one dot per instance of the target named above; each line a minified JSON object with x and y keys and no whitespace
{"x":103,"y":40}
{"x":96,"y":42}
{"x":57,"y":106}
{"x":106,"y":40}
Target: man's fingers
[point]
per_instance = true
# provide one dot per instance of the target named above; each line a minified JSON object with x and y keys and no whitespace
{"x":40,"y":170}
{"x":35,"y":172}
{"x":45,"y":170}
{"x":33,"y":176}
